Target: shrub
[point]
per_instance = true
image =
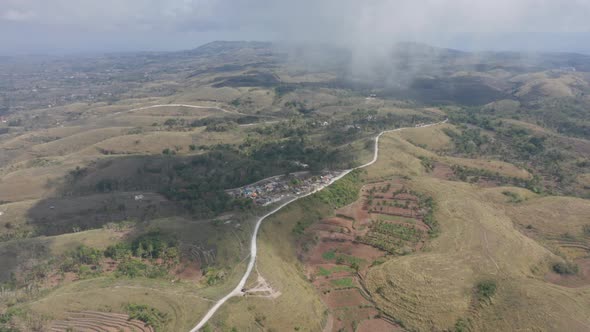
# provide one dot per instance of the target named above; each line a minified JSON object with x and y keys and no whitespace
{"x":132,"y":268}
{"x":86,"y":255}
{"x":565,"y":268}
{"x":461,"y":325}
{"x":168,"y":152}
{"x":151,"y":316}
{"x":118,"y":251}
{"x":514,"y":197}
{"x":486,"y":289}
{"x":214,"y":276}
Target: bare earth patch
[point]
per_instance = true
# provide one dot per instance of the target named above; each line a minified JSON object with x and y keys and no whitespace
{"x":377,"y":325}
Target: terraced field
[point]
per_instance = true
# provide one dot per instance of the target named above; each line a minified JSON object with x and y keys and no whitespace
{"x":95,"y":321}
{"x":387,"y":219}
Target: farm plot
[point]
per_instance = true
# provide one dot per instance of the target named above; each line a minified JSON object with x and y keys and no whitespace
{"x":95,"y":321}
{"x":357,"y":238}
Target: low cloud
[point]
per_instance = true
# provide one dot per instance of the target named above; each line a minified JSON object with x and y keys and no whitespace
{"x":173,"y":24}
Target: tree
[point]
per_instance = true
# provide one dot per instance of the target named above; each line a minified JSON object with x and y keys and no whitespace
{"x":150,"y":250}
{"x":140,"y":252}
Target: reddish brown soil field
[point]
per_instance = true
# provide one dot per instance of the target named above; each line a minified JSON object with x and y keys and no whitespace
{"x":395,"y":211}
{"x":338,"y":252}
{"x":442,"y":171}
{"x":346,"y":320}
{"x":354,"y":211}
{"x":188,"y":270}
{"x":344,"y":298}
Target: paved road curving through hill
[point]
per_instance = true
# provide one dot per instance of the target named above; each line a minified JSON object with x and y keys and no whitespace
{"x":237,"y":291}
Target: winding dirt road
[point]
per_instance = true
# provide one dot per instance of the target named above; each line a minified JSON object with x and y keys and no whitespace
{"x":179,"y":105}
{"x":201,"y":107}
{"x":237,"y":291}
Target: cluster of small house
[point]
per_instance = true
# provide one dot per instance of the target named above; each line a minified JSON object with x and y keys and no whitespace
{"x":276,"y":188}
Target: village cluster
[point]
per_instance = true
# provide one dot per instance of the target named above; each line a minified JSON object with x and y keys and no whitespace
{"x":276,"y":188}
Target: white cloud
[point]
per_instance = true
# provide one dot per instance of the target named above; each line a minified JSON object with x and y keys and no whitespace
{"x":16,"y":15}
{"x":370,"y":22}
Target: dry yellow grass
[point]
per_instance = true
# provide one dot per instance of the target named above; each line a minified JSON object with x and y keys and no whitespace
{"x":14,"y":216}
{"x":299,"y":305}
{"x":433,"y":138}
{"x":197,"y":94}
{"x":566,"y":85}
{"x":584,"y":179}
{"x":148,"y":143}
{"x":504,"y":168}
{"x":77,"y":141}
{"x":553,"y":216}
{"x":397,"y":157}
{"x":96,"y":238}
{"x":27,"y":140}
{"x":478,"y":240}
{"x":179,"y":301}
{"x":295,"y":76}
{"x":30,"y":183}
{"x":156,"y":141}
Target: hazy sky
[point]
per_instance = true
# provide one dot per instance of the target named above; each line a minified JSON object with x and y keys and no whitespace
{"x":65,"y":26}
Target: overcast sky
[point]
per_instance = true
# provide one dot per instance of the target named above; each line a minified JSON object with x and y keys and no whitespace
{"x":73,"y":26}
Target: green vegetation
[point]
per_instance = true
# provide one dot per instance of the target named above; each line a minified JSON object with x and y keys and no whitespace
{"x":352,"y":261}
{"x":6,"y":319}
{"x":340,"y":193}
{"x":341,"y":268}
{"x":485,"y":290}
{"x":395,"y":230}
{"x":86,"y":255}
{"x":514,"y":197}
{"x":343,"y":282}
{"x":83,"y":261}
{"x":213,"y":276}
{"x":283,"y":89}
{"x":343,"y":191}
{"x":470,"y":174}
{"x":324,"y":272}
{"x":329,"y":255}
{"x":151,"y":245}
{"x":548,"y":156}
{"x":427,"y":163}
{"x":469,"y":141}
{"x":428,"y":204}
{"x":151,"y":316}
{"x":134,"y":268}
{"x":462,"y":325}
